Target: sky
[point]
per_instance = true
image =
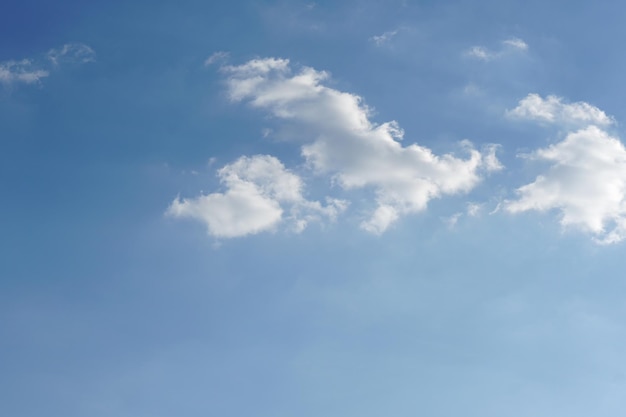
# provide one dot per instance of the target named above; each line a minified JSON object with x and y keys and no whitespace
{"x":312,"y":209}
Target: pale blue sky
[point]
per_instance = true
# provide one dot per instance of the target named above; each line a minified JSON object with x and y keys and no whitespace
{"x":168,"y":248}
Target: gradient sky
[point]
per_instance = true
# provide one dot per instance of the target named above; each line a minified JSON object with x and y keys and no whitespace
{"x":312,"y":209}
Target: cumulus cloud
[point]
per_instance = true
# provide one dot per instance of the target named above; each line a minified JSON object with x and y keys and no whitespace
{"x":32,"y":71}
{"x":586,"y":183}
{"x":553,"y":109}
{"x":338,"y":139}
{"x":509,"y":45}
{"x":586,"y":178}
{"x":260,"y":193}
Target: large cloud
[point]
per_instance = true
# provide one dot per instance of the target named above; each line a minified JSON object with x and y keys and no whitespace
{"x":258,"y":192}
{"x":586,"y":180}
{"x":338,"y":139}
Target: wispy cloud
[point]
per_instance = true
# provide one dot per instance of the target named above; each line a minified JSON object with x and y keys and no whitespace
{"x":216,"y":57}
{"x":33,"y":70}
{"x":379,"y":40}
{"x":24,"y":71}
{"x":516,"y":43}
{"x":509,"y":45}
{"x":72,"y":53}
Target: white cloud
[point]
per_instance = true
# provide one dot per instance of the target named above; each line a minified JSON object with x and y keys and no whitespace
{"x":72,"y":53}
{"x":484,"y":54}
{"x":586,"y":183}
{"x":552,"y":109}
{"x":338,"y":139}
{"x":384,"y":38}
{"x":21,"y":72}
{"x":259,"y":191}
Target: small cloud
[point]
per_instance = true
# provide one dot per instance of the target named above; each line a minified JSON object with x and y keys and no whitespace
{"x":474,"y":209}
{"x":516,"y":43}
{"x":384,"y":38}
{"x":496,"y":209}
{"x":484,"y":54}
{"x":219,"y":56}
{"x":72,"y":53}
{"x":480,"y":52}
{"x":553,"y":109}
{"x":452,"y":220}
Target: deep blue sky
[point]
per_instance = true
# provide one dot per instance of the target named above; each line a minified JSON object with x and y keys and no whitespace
{"x":111,"y":305}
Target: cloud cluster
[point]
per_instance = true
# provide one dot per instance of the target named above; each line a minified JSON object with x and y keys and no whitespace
{"x":260,"y":193}
{"x":29,"y":71}
{"x":509,"y":45}
{"x":338,"y":139}
{"x":586,"y":178}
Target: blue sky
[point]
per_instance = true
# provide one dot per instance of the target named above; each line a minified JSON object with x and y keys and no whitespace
{"x":283,"y":208}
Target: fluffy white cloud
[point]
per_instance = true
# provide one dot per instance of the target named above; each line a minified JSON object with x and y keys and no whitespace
{"x":552,"y":109}
{"x":586,"y":183}
{"x":259,"y":190}
{"x":338,"y":139}
{"x":21,"y":72}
